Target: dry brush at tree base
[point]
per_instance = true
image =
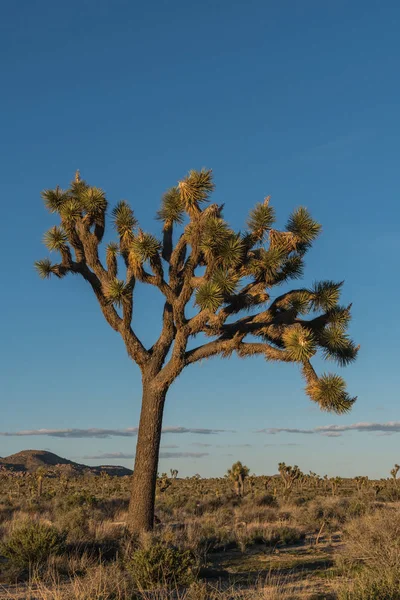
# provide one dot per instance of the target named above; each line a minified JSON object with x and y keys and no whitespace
{"x":225,"y":272}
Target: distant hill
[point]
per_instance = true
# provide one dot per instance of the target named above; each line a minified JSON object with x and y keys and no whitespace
{"x":29,"y":461}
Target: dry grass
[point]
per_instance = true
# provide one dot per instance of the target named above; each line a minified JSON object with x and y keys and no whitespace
{"x":263,"y":546}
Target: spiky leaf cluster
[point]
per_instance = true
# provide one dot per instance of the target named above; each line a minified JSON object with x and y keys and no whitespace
{"x":226,"y":281}
{"x":261,"y":219}
{"x":325,"y":295}
{"x":196,"y":189}
{"x":303,"y":226}
{"x":43,"y":268}
{"x":124,"y":221}
{"x":54,"y":199}
{"x":337,"y":345}
{"x":172,"y":208}
{"x":55,"y":239}
{"x":209,"y":296}
{"x":299,"y":342}
{"x":117,"y":291}
{"x":145,"y":246}
{"x":93,"y":201}
{"x":329,"y":391}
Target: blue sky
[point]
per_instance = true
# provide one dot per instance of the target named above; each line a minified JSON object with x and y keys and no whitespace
{"x":294,"y":99}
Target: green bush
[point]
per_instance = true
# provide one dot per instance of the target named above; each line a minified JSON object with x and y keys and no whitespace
{"x":161,"y":565}
{"x":31,"y":544}
{"x":289,"y":535}
{"x":79,"y":499}
{"x":75,"y":523}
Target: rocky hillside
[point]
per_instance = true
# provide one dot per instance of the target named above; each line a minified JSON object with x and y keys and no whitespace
{"x":30,"y":460}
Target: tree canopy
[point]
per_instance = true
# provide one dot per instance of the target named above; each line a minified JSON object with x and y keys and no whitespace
{"x":230,"y":276}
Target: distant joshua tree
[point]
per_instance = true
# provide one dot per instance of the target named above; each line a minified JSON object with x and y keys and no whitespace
{"x":238,"y":473}
{"x":394,"y":472}
{"x":289,"y":475}
{"x":232,"y":278}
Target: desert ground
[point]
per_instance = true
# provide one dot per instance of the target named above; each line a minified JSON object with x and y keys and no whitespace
{"x":287,"y":536}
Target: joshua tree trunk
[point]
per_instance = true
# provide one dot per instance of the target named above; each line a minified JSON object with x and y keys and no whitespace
{"x":141,"y":506}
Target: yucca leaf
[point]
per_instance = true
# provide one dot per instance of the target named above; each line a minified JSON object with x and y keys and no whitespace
{"x":70,"y":211}
{"x":145,"y":246}
{"x":291,"y":268}
{"x":337,"y":345}
{"x":325,"y":295}
{"x":209,"y":296}
{"x":116,"y":291}
{"x":54,"y":199}
{"x":267,"y":263}
{"x":231,"y":252}
{"x":55,"y":239}
{"x":172,"y":207}
{"x":93,"y":201}
{"x":340,"y":316}
{"x":299,"y":342}
{"x":329,"y":391}
{"x":124,"y":220}
{"x":43,"y":268}
{"x":261,"y":219}
{"x":300,"y":302}
{"x":226,"y":282}
{"x":196,"y":188}
{"x":303,"y":226}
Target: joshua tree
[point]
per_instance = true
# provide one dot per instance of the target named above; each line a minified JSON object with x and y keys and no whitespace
{"x":335,"y":483}
{"x":238,"y":473}
{"x":361,"y":482}
{"x":289,"y":476}
{"x":394,"y":472}
{"x":163,"y":483}
{"x":224,"y":273}
{"x":40,"y":474}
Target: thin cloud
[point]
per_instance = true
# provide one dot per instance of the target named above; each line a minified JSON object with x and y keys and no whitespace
{"x":337,"y":430}
{"x":274,"y":430}
{"x":234,"y":446}
{"x":124,"y":456}
{"x":280,"y":445}
{"x":109,"y":456}
{"x":200,"y":445}
{"x":106,"y":433}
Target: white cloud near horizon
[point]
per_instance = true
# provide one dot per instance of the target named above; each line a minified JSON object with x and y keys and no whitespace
{"x":106,"y":433}
{"x":337,"y":430}
{"x":123,"y":455}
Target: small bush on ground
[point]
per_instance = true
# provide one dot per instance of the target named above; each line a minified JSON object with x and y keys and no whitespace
{"x":31,"y":544}
{"x":370,"y":557}
{"x":161,"y":565}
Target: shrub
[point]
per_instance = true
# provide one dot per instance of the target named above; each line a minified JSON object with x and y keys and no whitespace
{"x":31,"y":544}
{"x":371,"y":557}
{"x":371,"y":586}
{"x":161,"y":565}
{"x":266,"y":500}
{"x":75,"y":522}
{"x":373,"y":541}
{"x":79,"y":499}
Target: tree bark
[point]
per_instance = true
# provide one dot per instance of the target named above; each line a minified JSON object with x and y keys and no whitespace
{"x":141,"y":506}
